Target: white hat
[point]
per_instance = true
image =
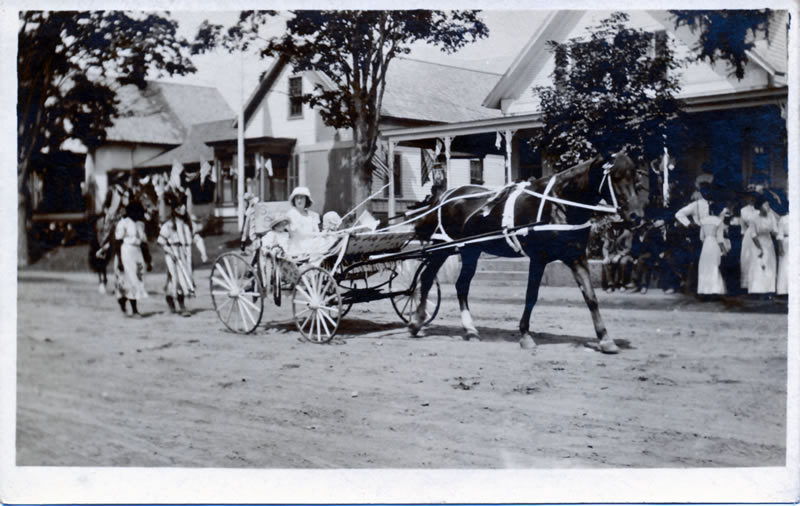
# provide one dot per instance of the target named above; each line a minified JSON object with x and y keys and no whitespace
{"x":301,"y":190}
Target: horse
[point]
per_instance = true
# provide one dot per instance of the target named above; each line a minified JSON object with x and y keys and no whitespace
{"x":560,"y":206}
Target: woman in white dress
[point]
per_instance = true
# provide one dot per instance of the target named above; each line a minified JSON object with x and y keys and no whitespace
{"x":130,"y":265}
{"x":305,"y":239}
{"x":747,"y":214}
{"x":762,"y":271}
{"x":176,"y":238}
{"x":709,"y":277}
{"x":782,"y":287}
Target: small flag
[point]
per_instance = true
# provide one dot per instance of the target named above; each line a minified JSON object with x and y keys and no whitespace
{"x":269,"y":166}
{"x":380,"y":165}
{"x":175,"y":174}
{"x":497,"y":140}
{"x":427,"y":165}
{"x":205,"y":171}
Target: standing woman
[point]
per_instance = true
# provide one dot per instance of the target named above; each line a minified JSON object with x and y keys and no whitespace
{"x":130,"y":234}
{"x":709,"y":277}
{"x":176,"y":238}
{"x":782,"y":287}
{"x":747,"y":215}
{"x":762,"y":271}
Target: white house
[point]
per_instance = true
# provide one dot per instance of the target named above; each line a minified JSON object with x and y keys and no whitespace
{"x":302,"y":150}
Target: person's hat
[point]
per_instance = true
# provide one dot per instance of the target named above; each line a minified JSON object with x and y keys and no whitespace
{"x":301,"y":190}
{"x":331,"y":219}
{"x":279,"y":219}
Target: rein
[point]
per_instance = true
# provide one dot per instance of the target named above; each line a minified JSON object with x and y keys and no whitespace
{"x":547,"y":197}
{"x":509,"y":231}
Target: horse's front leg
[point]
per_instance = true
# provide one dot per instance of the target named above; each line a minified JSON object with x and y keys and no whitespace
{"x":469,"y":263}
{"x":535,"y":271}
{"x":424,"y":283}
{"x":580,"y":269}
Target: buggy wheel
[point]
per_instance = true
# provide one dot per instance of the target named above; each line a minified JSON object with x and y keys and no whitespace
{"x":406,"y":303}
{"x":236,"y":293}
{"x":317,"y":305}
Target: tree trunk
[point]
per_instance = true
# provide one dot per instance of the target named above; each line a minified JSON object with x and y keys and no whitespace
{"x":360,"y":183}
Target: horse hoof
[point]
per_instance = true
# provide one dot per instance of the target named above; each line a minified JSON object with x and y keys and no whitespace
{"x":101,"y":289}
{"x":527,"y":342}
{"x":472,"y":336}
{"x":415,"y":331}
{"x":609,"y":346}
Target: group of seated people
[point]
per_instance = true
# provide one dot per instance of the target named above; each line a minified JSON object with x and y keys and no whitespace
{"x":711,"y":246}
{"x":295,"y":234}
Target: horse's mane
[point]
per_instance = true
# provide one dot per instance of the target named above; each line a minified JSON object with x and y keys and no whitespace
{"x":563,"y":177}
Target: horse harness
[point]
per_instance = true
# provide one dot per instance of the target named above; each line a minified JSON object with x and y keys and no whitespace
{"x":510,"y":231}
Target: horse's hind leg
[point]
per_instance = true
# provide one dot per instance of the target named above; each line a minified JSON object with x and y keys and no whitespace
{"x":580,"y":269}
{"x":425,"y":282}
{"x":469,"y":263}
{"x":535,"y":271}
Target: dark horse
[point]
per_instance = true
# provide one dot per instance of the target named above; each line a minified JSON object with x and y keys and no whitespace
{"x":562,"y":232}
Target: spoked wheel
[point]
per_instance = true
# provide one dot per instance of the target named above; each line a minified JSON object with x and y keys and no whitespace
{"x":317,"y":305}
{"x":236,"y":293}
{"x":405,"y":305}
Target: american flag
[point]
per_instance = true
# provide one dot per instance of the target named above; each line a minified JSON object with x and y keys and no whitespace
{"x":380,"y":164}
{"x":428,"y":159}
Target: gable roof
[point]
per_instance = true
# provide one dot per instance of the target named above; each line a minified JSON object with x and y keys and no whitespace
{"x":771,"y":55}
{"x":415,"y":90}
{"x":162,"y":113}
{"x":530,"y":61}
{"x":426,"y":91}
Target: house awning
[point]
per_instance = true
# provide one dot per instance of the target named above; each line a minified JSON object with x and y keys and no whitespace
{"x":271,"y":145}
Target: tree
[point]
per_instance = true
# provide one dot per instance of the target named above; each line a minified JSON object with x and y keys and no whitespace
{"x":725,"y":35}
{"x":354,"y":49}
{"x":68,"y":66}
{"x":614,"y":90}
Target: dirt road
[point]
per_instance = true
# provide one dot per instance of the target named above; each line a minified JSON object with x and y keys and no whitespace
{"x":695,"y":384}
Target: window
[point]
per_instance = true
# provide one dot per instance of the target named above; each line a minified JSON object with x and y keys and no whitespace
{"x":476,"y":171}
{"x":293,"y":179}
{"x":295,"y":97}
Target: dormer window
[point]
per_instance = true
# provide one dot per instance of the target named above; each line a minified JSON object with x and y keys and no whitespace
{"x":295,"y":97}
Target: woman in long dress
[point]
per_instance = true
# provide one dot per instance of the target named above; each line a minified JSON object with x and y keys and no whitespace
{"x":747,"y":214}
{"x":130,"y":265}
{"x":762,"y":271}
{"x":782,"y":287}
{"x":709,"y":277}
{"x":176,"y":238}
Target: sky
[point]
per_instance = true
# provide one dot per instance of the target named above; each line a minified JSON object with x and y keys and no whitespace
{"x":236,"y":75}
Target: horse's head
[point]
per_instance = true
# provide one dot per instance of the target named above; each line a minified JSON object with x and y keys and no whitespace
{"x":622,"y":175}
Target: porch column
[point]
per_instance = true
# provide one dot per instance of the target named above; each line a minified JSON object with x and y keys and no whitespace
{"x":391,"y":210}
{"x":446,"y":141}
{"x":508,"y":135}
